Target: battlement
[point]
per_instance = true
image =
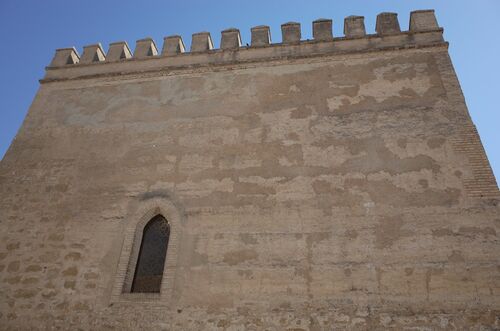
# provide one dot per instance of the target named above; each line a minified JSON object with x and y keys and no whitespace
{"x":423,"y":31}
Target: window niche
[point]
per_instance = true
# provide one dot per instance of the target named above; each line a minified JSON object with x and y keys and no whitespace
{"x":147,"y":266}
{"x":148,"y":273}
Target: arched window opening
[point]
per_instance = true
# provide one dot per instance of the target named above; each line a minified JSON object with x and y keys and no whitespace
{"x":151,"y":261}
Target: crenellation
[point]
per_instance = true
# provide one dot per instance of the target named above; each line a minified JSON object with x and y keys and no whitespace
{"x":322,"y":29}
{"x":230,"y":39}
{"x":65,"y":56}
{"x":118,"y":51}
{"x":354,"y":27}
{"x":145,"y":48}
{"x":423,"y":20}
{"x":201,"y":42}
{"x":93,"y":53}
{"x":290,"y":33}
{"x":338,"y":47}
{"x":261,"y":36}
{"x":387,"y":24}
{"x":173,"y":45}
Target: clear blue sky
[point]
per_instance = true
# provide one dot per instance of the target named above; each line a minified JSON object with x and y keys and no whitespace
{"x":31,"y":30}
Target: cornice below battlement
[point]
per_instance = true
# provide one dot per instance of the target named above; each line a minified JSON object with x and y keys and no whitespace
{"x":67,"y":65}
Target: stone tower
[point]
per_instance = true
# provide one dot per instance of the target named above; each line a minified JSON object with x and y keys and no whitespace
{"x":333,"y":183}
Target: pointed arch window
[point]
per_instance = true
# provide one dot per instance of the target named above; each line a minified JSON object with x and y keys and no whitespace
{"x":148,"y":273}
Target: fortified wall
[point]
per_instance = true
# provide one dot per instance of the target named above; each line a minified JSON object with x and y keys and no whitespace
{"x":333,"y":183}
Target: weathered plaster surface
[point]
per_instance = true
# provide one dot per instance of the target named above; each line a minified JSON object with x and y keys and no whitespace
{"x":313,"y":194}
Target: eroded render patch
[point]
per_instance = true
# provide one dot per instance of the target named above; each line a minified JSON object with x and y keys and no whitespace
{"x":401,"y":81}
{"x":384,"y":192}
{"x":389,"y":230}
{"x":239,"y":256}
{"x":372,"y":155}
{"x":393,"y":80}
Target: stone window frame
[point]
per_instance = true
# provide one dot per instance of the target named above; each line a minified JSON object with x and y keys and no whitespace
{"x":132,"y":238}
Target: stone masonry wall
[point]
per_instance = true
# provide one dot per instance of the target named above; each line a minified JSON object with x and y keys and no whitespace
{"x":342,"y":191}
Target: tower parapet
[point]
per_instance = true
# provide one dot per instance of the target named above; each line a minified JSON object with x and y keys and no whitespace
{"x":423,"y":31}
